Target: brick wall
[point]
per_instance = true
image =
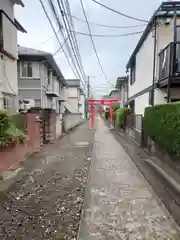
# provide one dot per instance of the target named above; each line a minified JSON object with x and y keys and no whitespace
{"x":32,"y":144}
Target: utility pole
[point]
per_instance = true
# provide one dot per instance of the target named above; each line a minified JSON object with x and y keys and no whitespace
{"x":88,"y":88}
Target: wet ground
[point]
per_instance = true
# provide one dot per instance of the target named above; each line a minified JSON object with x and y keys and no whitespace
{"x":119,"y":203}
{"x":46,"y":203}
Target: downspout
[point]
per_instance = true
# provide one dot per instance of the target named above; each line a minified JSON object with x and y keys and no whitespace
{"x":154,"y":62}
{"x":172,"y":68}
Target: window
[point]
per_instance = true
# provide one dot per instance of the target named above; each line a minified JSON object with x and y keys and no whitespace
{"x":26,"y":69}
{"x":49,"y":76}
{"x":9,"y":103}
{"x":133,"y":72}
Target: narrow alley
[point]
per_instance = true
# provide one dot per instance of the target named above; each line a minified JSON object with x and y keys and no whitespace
{"x":118,"y":202}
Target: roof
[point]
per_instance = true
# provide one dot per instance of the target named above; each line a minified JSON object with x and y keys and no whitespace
{"x":120,"y":81}
{"x":164,"y":10}
{"x":15,"y":22}
{"x":19,"y":26}
{"x":24,"y":51}
{"x":73,"y":82}
{"x":18,"y":2}
{"x":113,"y":91}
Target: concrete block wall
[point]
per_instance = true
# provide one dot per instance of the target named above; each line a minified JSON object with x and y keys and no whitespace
{"x":72,"y":120}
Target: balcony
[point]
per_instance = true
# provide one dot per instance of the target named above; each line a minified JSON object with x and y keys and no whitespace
{"x":51,"y":92}
{"x":169,"y":66}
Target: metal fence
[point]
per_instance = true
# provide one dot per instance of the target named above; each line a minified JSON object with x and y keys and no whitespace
{"x":134,"y":127}
{"x":134,"y":121}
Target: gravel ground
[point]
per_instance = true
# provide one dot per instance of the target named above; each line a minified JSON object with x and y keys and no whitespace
{"x":46,"y":203}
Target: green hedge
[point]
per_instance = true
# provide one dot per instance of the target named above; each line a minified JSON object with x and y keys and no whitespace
{"x":162,"y":124}
{"x":121,"y":115}
{"x":19,"y":121}
{"x":9,"y":133}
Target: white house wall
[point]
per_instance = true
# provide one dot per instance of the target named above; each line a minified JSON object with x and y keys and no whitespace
{"x":8,"y":67}
{"x":144,"y":57}
{"x":141,"y":103}
{"x":159,"y":96}
{"x":82,"y":106}
{"x":58,"y":126}
{"x":144,"y":67}
{"x":73,"y":92}
{"x":7,"y":7}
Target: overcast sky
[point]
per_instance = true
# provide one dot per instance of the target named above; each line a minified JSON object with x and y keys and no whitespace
{"x":113,"y":52}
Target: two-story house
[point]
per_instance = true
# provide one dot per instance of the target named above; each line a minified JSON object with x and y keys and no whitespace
{"x":9,"y":55}
{"x":154,"y":66}
{"x":122,"y":86}
{"x":40,"y":82}
{"x":40,"y":79}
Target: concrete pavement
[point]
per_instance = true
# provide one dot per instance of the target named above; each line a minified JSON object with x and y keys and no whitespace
{"x":119,"y":203}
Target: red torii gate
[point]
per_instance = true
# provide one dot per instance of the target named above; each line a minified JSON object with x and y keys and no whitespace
{"x":101,"y":102}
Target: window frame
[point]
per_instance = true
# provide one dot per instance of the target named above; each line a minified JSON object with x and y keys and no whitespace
{"x":22,"y":63}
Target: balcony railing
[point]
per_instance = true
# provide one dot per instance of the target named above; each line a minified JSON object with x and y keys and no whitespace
{"x":169,"y":62}
{"x":51,"y":91}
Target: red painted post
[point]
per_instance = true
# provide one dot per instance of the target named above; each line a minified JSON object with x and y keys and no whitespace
{"x":100,"y":102}
{"x":92,"y":116}
{"x":91,"y":123}
{"x":111,"y":112}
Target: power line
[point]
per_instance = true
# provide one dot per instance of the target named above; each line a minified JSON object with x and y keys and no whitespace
{"x":120,"y":13}
{"x":74,"y":35}
{"x":71,"y":38}
{"x":59,"y":49}
{"x":93,"y":44}
{"x":107,"y":26}
{"x":41,"y":2}
{"x":68,"y":48}
{"x":104,"y":35}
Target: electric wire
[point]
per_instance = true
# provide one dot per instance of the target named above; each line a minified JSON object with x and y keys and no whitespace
{"x":70,"y":38}
{"x":74,"y":35}
{"x":108,"y":36}
{"x":104,"y":25}
{"x":93,"y":44}
{"x":68,"y":47}
{"x":120,"y":13}
{"x":41,"y":2}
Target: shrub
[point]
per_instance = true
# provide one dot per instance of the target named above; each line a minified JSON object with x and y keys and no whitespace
{"x":9,"y":133}
{"x":162,"y":124}
{"x":4,"y":121}
{"x":107,"y":113}
{"x":121,"y":115}
{"x":18,"y":121}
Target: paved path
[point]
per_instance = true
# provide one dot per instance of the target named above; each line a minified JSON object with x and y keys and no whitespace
{"x":46,"y":203}
{"x":119,"y":203}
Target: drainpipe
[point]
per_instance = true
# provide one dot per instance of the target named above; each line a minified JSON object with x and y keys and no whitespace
{"x":172,"y":67}
{"x":154,"y":63}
